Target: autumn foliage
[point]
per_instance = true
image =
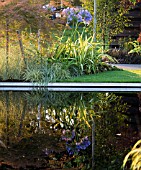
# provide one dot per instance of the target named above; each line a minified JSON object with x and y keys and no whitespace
{"x":139,"y":38}
{"x":29,"y":15}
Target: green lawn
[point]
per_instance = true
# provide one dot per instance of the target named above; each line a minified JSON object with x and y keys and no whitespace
{"x":122,"y":76}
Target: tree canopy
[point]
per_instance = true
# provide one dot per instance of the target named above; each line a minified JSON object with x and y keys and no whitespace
{"x":111,"y":17}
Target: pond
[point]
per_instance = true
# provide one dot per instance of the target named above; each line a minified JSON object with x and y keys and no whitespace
{"x":67,"y":130}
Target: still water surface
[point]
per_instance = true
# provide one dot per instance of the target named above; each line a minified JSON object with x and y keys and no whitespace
{"x":72,"y":130}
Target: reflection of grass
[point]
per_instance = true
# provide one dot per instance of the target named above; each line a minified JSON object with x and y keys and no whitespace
{"x":110,"y":76}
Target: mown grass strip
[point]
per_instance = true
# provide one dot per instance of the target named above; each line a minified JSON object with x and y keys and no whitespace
{"x":121,"y":76}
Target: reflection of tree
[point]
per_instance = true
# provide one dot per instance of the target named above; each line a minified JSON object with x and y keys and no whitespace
{"x":22,"y":118}
{"x":109,"y":121}
{"x":45,"y":115}
{"x":10,"y":111}
{"x":7,"y":118}
{"x":77,"y":114}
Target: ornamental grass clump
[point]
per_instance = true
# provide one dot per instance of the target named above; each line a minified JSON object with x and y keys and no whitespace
{"x":12,"y":68}
{"x":134,"y":157}
{"x":42,"y":69}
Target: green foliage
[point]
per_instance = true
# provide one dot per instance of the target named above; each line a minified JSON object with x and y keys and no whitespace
{"x":38,"y":69}
{"x":136,"y":47}
{"x":110,"y":17}
{"x":133,"y":1}
{"x":79,"y":52}
{"x":134,"y":157}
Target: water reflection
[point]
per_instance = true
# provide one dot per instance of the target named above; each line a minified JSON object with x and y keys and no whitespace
{"x":52,"y":130}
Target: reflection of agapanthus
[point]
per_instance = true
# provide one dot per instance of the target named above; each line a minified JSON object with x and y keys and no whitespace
{"x":84,"y":143}
{"x":68,"y":135}
{"x":75,"y":15}
{"x":73,"y":147}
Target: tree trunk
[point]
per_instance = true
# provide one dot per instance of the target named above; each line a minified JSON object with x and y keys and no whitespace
{"x":7,"y":45}
{"x":95,"y":21}
{"x":39,"y":43}
{"x":21,"y":46}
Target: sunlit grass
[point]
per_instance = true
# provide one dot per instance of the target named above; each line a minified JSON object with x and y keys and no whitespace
{"x":121,"y":76}
{"x":135,"y":71}
{"x":11,"y":65}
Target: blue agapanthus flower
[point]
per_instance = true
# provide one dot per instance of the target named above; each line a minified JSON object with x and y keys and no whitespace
{"x":75,"y":15}
{"x":68,"y":11}
{"x":86,"y":16}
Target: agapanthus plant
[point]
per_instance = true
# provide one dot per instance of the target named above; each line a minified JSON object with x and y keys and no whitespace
{"x":76,"y":15}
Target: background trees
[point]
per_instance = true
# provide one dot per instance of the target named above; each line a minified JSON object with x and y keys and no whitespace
{"x":110,"y":17}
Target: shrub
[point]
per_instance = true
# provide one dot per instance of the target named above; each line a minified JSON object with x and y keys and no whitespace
{"x":40,"y":69}
{"x":79,"y":53}
{"x":136,"y":47}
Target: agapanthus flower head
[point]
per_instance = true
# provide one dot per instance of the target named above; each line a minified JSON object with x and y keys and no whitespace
{"x":86,"y":16}
{"x":75,"y":15}
{"x":72,"y":18}
{"x":79,"y":18}
{"x":68,"y":11}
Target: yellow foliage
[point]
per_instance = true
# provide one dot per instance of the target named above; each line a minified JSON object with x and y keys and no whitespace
{"x":135,"y":155}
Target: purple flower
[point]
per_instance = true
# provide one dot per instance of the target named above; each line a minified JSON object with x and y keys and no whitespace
{"x":75,"y":15}
{"x":87,"y":17}
{"x":73,"y":147}
{"x":68,"y":11}
{"x":84,"y":143}
{"x":79,"y":18}
{"x":69,"y":150}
